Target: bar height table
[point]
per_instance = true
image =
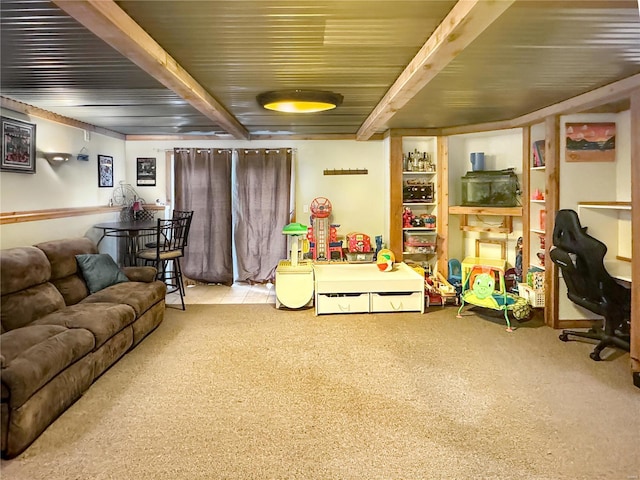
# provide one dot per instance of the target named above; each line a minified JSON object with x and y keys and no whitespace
{"x":129,"y":231}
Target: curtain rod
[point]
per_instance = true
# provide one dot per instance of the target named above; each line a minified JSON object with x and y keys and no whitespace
{"x":220,"y":150}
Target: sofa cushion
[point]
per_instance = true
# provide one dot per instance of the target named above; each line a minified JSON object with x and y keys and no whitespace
{"x":99,"y":271}
{"x":140,"y":274}
{"x":21,"y":308}
{"x":62,"y":253}
{"x":21,"y":268}
{"x":33,"y":355}
{"x":103,"y":320}
{"x":64,"y":268}
{"x":140,"y":296}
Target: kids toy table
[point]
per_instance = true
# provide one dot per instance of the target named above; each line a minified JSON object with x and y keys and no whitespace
{"x":363,"y":288}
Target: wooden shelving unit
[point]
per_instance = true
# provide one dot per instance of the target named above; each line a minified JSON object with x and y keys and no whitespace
{"x":404,"y":141}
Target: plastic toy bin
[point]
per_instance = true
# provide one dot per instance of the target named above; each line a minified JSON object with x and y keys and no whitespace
{"x":534,"y":297}
{"x":420,"y":242}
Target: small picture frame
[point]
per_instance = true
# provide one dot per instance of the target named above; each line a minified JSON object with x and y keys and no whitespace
{"x":105,"y":171}
{"x":146,"y":172}
{"x":18,"y":146}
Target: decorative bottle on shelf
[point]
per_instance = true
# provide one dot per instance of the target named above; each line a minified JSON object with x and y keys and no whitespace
{"x":415,"y":159}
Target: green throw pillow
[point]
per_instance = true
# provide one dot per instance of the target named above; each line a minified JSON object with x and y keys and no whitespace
{"x":100,"y":271}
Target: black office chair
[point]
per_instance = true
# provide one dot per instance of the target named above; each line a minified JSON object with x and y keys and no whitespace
{"x":168,"y":247}
{"x":580,"y":258}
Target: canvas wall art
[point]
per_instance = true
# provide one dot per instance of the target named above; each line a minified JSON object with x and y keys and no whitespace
{"x":591,"y":142}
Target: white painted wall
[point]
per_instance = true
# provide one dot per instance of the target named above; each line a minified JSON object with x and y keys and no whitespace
{"x":71,"y":184}
{"x":359,"y":202}
{"x":502,"y":149}
{"x":598,"y":182}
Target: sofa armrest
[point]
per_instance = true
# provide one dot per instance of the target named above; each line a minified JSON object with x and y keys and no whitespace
{"x":140,"y":274}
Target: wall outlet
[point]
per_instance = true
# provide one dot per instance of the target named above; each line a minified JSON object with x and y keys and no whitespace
{"x":305,"y":208}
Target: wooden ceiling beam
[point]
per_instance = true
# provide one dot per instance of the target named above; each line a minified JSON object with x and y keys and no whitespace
{"x":464,"y":23}
{"x":617,"y":94}
{"x":16,"y":106}
{"x":110,"y":23}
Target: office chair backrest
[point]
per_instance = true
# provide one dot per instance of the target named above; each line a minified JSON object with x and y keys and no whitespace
{"x":581,"y":259}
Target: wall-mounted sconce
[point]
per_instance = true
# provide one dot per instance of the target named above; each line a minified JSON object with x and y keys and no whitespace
{"x":57,"y":158}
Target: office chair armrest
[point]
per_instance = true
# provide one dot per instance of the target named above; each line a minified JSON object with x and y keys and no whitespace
{"x":140,"y":274}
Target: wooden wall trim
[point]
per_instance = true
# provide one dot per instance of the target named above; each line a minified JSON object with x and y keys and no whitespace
{"x":52,"y":213}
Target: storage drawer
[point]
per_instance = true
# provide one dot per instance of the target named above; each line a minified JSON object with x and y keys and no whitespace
{"x":342,"y":303}
{"x":397,"y":302}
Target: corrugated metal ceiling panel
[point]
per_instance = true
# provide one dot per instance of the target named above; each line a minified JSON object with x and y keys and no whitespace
{"x":530,"y":58}
{"x":536,"y":54}
{"x":52,"y":62}
{"x":242,"y":48}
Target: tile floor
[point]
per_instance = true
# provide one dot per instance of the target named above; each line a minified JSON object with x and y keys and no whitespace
{"x":236,"y":293}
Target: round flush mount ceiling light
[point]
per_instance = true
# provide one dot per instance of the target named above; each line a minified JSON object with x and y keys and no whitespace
{"x":299,"y":101}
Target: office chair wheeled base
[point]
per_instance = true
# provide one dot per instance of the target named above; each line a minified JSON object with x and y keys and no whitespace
{"x":604,"y":340}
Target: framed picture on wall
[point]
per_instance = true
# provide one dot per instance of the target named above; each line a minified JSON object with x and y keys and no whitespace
{"x":18,"y":146}
{"x":591,"y":142}
{"x":105,"y":171}
{"x":146,"y":172}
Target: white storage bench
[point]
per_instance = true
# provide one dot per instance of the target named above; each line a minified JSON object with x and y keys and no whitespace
{"x":363,"y":288}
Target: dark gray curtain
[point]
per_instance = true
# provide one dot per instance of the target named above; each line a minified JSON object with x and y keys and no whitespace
{"x":203,"y":184}
{"x":261,"y":208}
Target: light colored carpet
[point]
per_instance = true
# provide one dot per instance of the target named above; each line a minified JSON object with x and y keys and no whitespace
{"x":251,"y":392}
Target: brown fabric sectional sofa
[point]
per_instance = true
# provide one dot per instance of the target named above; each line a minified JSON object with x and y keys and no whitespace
{"x":57,"y":338}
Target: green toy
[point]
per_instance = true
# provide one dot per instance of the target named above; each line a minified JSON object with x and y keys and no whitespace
{"x":484,"y":287}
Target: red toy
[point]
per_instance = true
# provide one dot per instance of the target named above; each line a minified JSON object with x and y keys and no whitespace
{"x":358,"y":242}
{"x":407,"y":217}
{"x":322,"y":236}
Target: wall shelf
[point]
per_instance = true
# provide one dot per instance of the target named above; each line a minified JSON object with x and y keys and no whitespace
{"x":502,"y":211}
{"x":507,"y":214}
{"x":606,"y":205}
{"x":346,"y":171}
